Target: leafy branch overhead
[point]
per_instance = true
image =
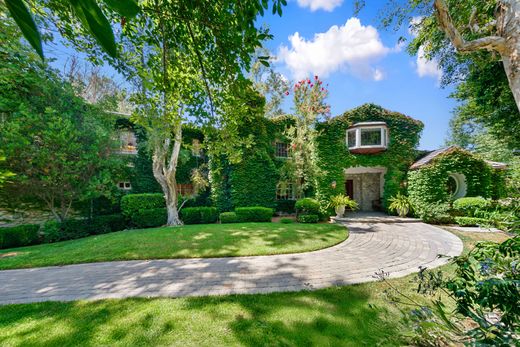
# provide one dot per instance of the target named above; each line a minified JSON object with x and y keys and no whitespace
{"x":87,"y":12}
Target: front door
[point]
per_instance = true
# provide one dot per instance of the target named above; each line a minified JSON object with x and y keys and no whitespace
{"x":364,"y":188}
{"x":349,"y":188}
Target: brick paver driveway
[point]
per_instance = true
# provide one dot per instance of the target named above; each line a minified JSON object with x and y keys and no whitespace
{"x":397,"y":248}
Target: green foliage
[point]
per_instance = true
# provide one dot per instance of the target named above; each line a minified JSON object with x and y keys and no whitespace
{"x":469,"y":206}
{"x":18,"y":236}
{"x":400,"y":204}
{"x":149,"y":218}
{"x":343,"y":200}
{"x":307,"y":206}
{"x":308,"y":218}
{"x":132,"y":203}
{"x":435,"y":213}
{"x":334,"y":156}
{"x":228,"y":217}
{"x":286,"y":220}
{"x":428,"y":184}
{"x":472,"y":221}
{"x":254,"y":214}
{"x":199,"y":215}
{"x":69,"y":229}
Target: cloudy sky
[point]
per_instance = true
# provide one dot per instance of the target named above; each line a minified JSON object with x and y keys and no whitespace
{"x":359,"y":60}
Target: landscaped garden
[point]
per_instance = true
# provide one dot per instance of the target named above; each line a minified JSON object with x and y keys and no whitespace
{"x":340,"y":316}
{"x":190,"y":241}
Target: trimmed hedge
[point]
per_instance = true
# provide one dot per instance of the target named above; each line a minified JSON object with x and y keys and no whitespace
{"x":228,"y":217}
{"x":472,"y":221}
{"x":308,"y":218}
{"x":132,"y":203}
{"x":254,"y":214}
{"x":471,"y":205}
{"x":18,"y":236}
{"x":70,"y":229}
{"x":286,"y":206}
{"x":149,"y":218}
{"x":199,"y":215}
{"x":286,"y":220}
{"x":307,"y":206}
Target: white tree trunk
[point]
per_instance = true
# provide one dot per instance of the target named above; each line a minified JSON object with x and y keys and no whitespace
{"x":506,"y":42}
{"x":164,"y":172}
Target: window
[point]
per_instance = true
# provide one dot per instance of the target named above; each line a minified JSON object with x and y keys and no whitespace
{"x":282,"y":150}
{"x":368,"y":137}
{"x":195,"y":147}
{"x":286,"y":191}
{"x":128,"y":142}
{"x":124,"y":185}
{"x":456,"y":185}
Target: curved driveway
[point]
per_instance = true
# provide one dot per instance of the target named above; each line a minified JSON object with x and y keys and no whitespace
{"x":396,"y":248}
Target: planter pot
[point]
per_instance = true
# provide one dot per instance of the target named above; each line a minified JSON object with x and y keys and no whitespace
{"x":402,"y":212}
{"x":340,"y":211}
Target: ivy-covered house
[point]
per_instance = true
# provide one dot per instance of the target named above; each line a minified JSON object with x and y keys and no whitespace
{"x":368,"y":153}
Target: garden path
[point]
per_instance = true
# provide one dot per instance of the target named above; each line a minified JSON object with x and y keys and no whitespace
{"x":397,"y":248}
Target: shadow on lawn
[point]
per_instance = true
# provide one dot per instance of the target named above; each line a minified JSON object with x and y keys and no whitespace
{"x":333,"y":317}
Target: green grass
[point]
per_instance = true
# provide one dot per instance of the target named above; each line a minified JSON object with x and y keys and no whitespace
{"x":209,"y":240}
{"x":356,"y":315}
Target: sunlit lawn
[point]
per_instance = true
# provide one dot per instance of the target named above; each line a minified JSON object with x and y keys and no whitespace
{"x":356,"y":315}
{"x":209,"y":240}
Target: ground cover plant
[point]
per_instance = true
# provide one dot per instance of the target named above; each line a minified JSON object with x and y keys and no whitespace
{"x":189,"y":241}
{"x":357,"y":315}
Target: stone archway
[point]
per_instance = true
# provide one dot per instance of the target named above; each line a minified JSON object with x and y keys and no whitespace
{"x":365,"y":185}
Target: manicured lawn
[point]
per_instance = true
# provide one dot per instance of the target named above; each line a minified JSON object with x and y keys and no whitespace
{"x":356,"y":315}
{"x":209,"y":240}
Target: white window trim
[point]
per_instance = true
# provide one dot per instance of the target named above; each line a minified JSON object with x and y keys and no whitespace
{"x":357,"y":130}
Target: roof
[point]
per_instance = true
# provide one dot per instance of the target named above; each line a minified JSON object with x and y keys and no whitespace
{"x":429,"y":157}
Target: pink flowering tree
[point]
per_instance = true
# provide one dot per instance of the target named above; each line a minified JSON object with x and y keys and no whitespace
{"x":309,"y":107}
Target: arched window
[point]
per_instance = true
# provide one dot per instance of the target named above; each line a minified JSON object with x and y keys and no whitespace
{"x":456,"y":185}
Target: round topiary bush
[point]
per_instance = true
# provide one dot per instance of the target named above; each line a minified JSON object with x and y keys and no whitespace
{"x":307,"y":206}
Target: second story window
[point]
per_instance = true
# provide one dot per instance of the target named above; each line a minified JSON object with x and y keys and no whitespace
{"x":368,"y":137}
{"x":128,"y":142}
{"x":282,"y":150}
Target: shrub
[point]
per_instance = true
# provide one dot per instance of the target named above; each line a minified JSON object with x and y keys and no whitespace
{"x":149,"y":218}
{"x":471,"y":205}
{"x":70,"y":229}
{"x":254,"y":214}
{"x":51,"y":231}
{"x":132,"y":203}
{"x":286,"y":206}
{"x":436,"y":213}
{"x":286,"y":220}
{"x":307,"y":206}
{"x":18,"y":236}
{"x":308,"y":218}
{"x":199,"y":215}
{"x":228,"y":217}
{"x":107,"y":223}
{"x":472,"y":221}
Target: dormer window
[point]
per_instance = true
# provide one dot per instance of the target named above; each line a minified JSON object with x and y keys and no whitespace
{"x":367,"y":137}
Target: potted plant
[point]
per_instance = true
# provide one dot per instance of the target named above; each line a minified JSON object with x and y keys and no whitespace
{"x":401,"y":204}
{"x":340,"y":202}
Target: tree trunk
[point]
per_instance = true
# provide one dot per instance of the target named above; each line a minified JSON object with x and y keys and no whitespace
{"x":164,"y":172}
{"x":508,"y":26}
{"x":506,"y":42}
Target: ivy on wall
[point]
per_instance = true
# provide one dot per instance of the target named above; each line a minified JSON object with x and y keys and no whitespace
{"x":334,"y":156}
{"x":428,"y":184}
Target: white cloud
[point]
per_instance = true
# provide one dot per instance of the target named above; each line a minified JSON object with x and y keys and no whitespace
{"x":314,"y":5}
{"x":426,"y":67}
{"x":351,"y":47}
{"x":423,"y":66}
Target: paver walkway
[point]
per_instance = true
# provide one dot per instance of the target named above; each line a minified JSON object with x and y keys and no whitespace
{"x":398,"y":248}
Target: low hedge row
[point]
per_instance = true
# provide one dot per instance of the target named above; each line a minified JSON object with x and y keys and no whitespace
{"x":149,"y":218}
{"x":308,"y":218}
{"x":228,"y":217}
{"x":132,"y":203}
{"x":199,"y":215}
{"x":472,"y":221}
{"x":254,"y":214}
{"x":18,"y":236}
{"x":471,"y":206}
{"x":70,"y":229}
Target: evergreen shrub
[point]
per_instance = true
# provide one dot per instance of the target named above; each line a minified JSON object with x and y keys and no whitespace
{"x":472,"y":221}
{"x":132,"y":203}
{"x":254,"y":214}
{"x":228,"y":217}
{"x":470,"y":206}
{"x":149,"y":218}
{"x":18,"y":236}
{"x":307,"y":206}
{"x":308,"y":218}
{"x":199,"y":215}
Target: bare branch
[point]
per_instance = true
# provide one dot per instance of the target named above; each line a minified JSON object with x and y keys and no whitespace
{"x":493,"y":43}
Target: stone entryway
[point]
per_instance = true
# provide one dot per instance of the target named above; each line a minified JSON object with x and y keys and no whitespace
{"x":365,"y":186}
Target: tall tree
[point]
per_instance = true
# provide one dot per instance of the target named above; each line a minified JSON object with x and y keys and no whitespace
{"x":186,"y":59}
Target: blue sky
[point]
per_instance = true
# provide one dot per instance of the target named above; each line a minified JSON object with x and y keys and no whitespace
{"x":360,"y":61}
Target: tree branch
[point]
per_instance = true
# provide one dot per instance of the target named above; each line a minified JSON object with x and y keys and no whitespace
{"x":495,"y":43}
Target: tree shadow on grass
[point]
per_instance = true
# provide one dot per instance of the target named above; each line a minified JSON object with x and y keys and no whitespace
{"x":338,"y":316}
